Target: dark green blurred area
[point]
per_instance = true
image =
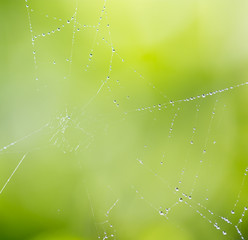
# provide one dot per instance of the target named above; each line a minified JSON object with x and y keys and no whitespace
{"x":93,"y":138}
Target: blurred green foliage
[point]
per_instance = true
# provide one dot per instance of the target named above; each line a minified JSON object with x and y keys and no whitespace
{"x":88,"y":146}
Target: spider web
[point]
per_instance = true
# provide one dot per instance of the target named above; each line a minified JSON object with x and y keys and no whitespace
{"x":101,"y":149}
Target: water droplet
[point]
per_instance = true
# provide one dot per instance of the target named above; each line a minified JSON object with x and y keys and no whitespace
{"x":203,"y":95}
{"x":161,"y":213}
{"x":224,"y":233}
{"x":180,"y":199}
{"x":140,"y":161}
{"x":177,"y":189}
{"x":232,"y":212}
{"x":68,"y":21}
{"x":58,"y":29}
{"x":191,"y":142}
{"x":113,"y":50}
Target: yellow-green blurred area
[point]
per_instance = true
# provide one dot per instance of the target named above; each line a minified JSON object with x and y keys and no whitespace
{"x":123,"y":120}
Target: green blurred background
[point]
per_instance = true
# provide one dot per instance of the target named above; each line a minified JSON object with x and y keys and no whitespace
{"x":101,"y":159}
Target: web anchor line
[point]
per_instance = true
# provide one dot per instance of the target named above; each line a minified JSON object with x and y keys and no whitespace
{"x":12,"y":174}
